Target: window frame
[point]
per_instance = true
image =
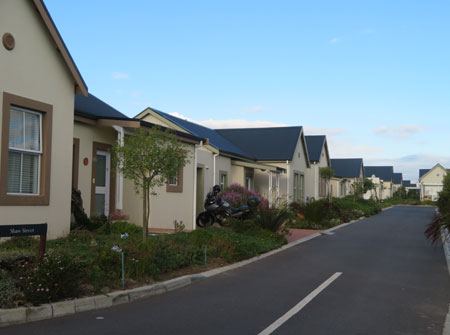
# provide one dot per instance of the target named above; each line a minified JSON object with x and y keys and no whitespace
{"x":42,"y":198}
{"x":21,"y":151}
{"x":178,"y":188}
{"x":223,"y":185}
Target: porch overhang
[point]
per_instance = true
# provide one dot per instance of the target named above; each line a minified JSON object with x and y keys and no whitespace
{"x":257,"y":166}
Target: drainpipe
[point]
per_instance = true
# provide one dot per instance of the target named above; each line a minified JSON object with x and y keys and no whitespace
{"x":270,"y":188}
{"x":287,"y":180}
{"x":119,"y":175}
{"x":278,"y":187}
{"x":194,"y":202}
{"x":214,"y":168}
{"x":316,"y":194}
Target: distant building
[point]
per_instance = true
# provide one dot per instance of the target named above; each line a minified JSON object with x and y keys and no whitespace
{"x":431,"y":182}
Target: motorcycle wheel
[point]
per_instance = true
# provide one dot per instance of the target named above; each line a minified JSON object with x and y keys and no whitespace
{"x":204,"y":220}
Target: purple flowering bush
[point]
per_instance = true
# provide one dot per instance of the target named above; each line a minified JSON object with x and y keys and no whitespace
{"x":237,"y":195}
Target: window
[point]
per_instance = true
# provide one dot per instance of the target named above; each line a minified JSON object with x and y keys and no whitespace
{"x":322,"y":187}
{"x":248,"y":178}
{"x":298,"y":187}
{"x":25,"y":151}
{"x":175,"y":183}
{"x":223,"y":180}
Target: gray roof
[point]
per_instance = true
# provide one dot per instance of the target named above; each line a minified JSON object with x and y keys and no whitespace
{"x":346,"y":167}
{"x":398,"y":178}
{"x":407,"y":183}
{"x":422,"y":172}
{"x":314,"y":145}
{"x":94,"y":108}
{"x":215,"y":139}
{"x":383,"y":172}
{"x":271,"y":144}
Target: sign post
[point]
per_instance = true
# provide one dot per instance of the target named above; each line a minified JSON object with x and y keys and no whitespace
{"x":27,"y":230}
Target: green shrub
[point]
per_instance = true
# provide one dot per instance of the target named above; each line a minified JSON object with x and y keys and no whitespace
{"x":55,"y":277}
{"x":273,"y":218}
{"x":10,"y":295}
{"x":23,"y":242}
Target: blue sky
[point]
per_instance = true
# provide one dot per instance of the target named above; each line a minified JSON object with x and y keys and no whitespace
{"x":373,"y":76}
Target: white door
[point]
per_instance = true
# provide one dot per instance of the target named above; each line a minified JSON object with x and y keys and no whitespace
{"x":102,"y":178}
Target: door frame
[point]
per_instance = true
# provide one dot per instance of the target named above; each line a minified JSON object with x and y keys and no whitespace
{"x":97,"y":146}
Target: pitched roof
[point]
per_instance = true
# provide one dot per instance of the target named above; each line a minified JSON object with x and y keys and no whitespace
{"x":93,"y":108}
{"x":315,"y":145}
{"x":407,"y":183}
{"x":61,"y":47}
{"x":271,"y":144}
{"x":422,"y":172}
{"x":347,"y":167}
{"x":382,"y":172}
{"x":398,"y":178}
{"x":215,"y":139}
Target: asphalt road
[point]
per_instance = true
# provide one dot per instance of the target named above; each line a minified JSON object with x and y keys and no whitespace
{"x":393,"y":282}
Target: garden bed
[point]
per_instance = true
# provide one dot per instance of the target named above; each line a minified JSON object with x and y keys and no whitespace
{"x":85,"y":262}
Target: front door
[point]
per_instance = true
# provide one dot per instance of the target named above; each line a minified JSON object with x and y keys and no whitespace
{"x":102,"y":178}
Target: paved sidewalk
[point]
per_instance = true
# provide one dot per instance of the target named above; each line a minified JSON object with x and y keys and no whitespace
{"x":297,"y":234}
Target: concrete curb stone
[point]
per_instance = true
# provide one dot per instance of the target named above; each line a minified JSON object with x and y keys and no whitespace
{"x":62,"y":308}
{"x":39,"y":312}
{"x":84,"y":304}
{"x":13,"y":316}
{"x":102,"y":301}
{"x":46,"y":311}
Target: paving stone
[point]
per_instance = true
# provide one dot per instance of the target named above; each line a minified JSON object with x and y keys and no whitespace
{"x":39,"y":313}
{"x":12,"y":316}
{"x":62,"y":308}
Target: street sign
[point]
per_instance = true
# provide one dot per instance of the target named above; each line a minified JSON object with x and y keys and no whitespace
{"x":27,"y":230}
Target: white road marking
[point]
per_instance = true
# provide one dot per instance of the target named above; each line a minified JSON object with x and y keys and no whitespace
{"x":294,"y":310}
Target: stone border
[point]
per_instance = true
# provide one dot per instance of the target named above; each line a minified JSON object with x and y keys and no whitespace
{"x":446,"y":246}
{"x":67,"y":307}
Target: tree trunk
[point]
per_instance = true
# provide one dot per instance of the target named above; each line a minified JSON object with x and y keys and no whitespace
{"x":148,"y":210}
{"x":144,"y":216}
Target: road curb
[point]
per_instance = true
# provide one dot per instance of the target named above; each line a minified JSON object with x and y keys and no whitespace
{"x":62,"y":308}
{"x":446,"y":246}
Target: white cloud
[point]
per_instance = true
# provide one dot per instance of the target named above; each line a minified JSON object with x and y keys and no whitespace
{"x":120,"y":75}
{"x":368,"y":31}
{"x":237,"y":123}
{"x":324,"y":131}
{"x":335,"y":40}
{"x":252,"y":110}
{"x":410,"y":165}
{"x":399,"y":132}
{"x":220,"y":124}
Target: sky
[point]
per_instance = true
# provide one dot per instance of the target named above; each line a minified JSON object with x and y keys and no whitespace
{"x":373,"y":76}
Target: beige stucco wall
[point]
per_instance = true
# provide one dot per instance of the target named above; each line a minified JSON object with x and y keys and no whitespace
{"x":165,"y":207}
{"x":223,"y":164}
{"x":237,"y":174}
{"x":312,"y":176}
{"x":205,"y":158}
{"x":35,"y":70}
{"x":87,"y":135}
{"x":161,"y":122}
{"x":434,"y":176}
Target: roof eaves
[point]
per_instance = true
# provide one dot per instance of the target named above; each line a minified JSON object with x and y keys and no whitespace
{"x":45,"y":15}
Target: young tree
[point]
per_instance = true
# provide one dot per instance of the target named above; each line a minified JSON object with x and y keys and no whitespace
{"x":358,"y":189}
{"x":327,"y":173}
{"x":149,"y":158}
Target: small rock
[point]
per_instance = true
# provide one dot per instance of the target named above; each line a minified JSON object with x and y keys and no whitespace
{"x":105,"y":290}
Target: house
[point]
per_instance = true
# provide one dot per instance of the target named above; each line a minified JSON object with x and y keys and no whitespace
{"x":397,"y":181}
{"x":271,"y":161}
{"x":283,"y":147}
{"x":382,"y":176}
{"x":319,"y":157}
{"x":347,"y":172}
{"x":38,"y":83}
{"x":96,"y":128}
{"x":431,"y":182}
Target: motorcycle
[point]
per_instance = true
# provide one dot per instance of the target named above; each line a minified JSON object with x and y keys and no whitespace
{"x":218,"y":210}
